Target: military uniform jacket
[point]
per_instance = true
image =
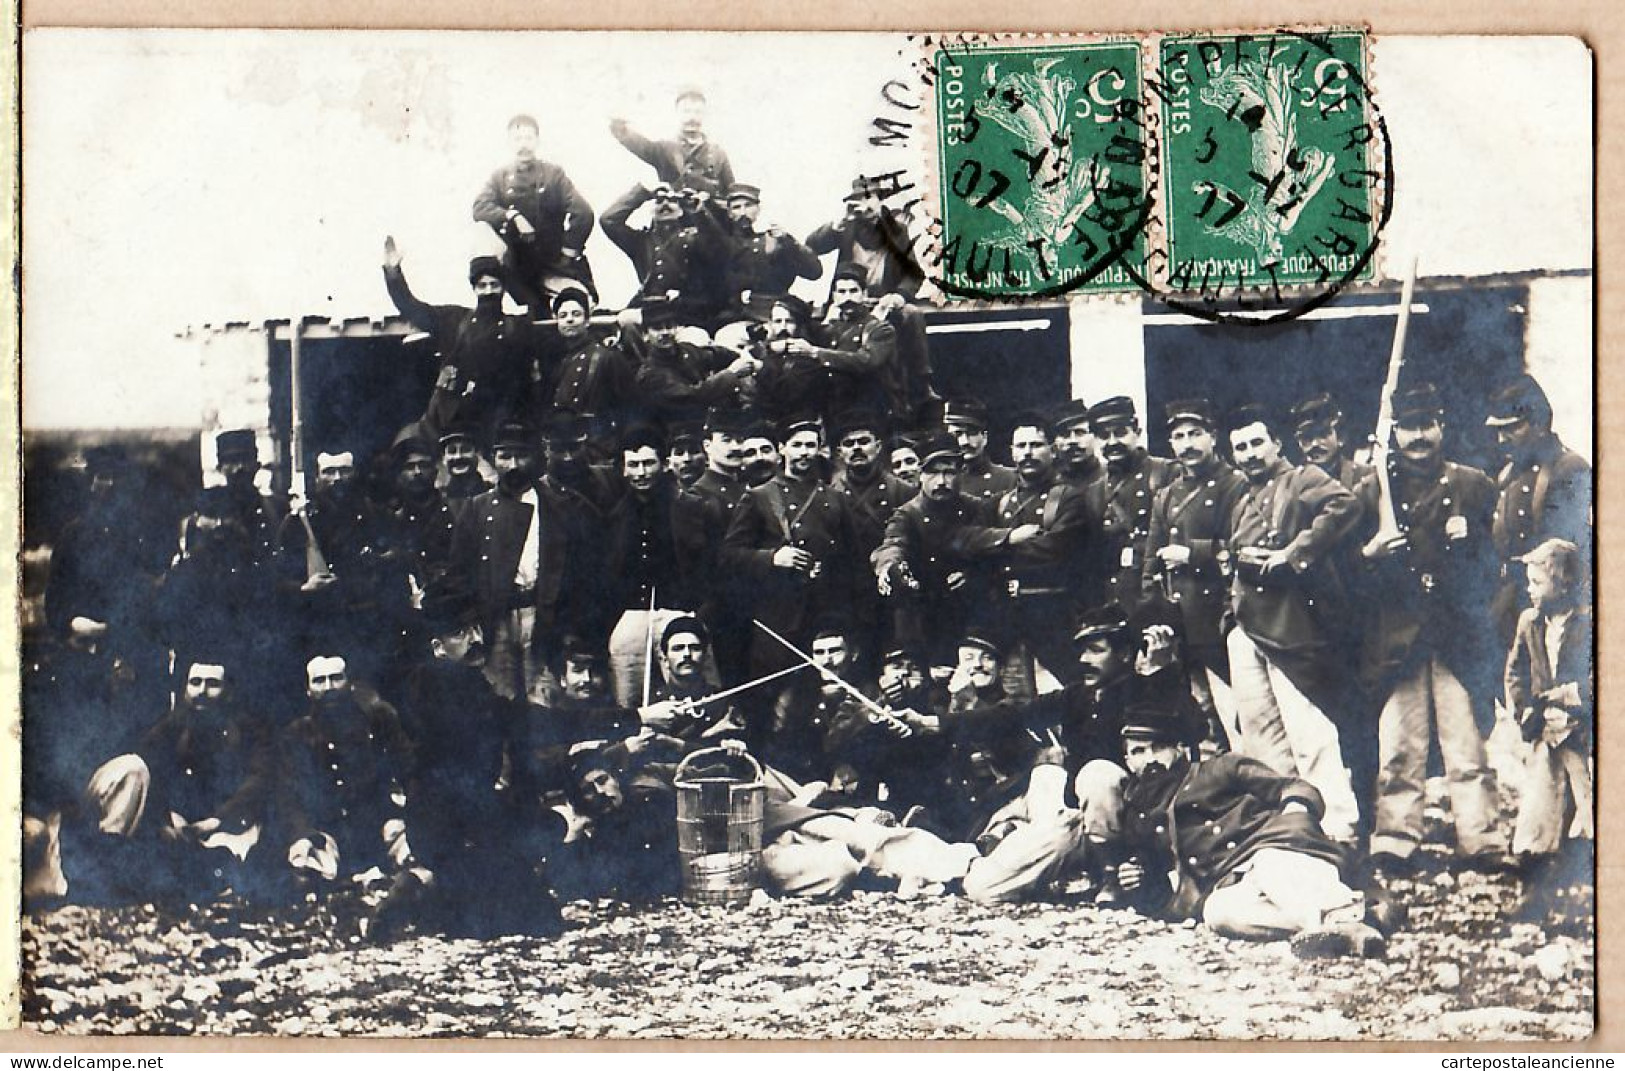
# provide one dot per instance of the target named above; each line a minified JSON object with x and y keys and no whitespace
{"x":1417,"y":600}
{"x":341,"y":767}
{"x":354,"y":537}
{"x":871,"y":505}
{"x":859,"y":354}
{"x":990,"y":752}
{"x":1310,"y":515}
{"x":595,"y":377}
{"x":687,"y":255}
{"x":1124,"y":499}
{"x":422,"y":535}
{"x":987,"y":479}
{"x":1195,"y":512}
{"x":936,"y":541}
{"x":681,"y":383}
{"x":1349,"y":472}
{"x":1092,"y":473}
{"x":459,"y":493}
{"x":805,"y":514}
{"x":886,"y":239}
{"x":1546,"y":498}
{"x":802,"y":739}
{"x":543,"y":194}
{"x":700,"y":520}
{"x":642,"y":551}
{"x":1207,"y":819}
{"x":1087,"y":720}
{"x":698,"y":165}
{"x":754,"y":269}
{"x":485,"y":553}
{"x":216,"y":765}
{"x":1051,"y":563}
{"x":492,"y":352}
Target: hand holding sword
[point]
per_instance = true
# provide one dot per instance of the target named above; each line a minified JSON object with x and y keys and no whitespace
{"x":878,"y":715}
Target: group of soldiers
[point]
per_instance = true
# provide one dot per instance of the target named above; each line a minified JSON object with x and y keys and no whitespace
{"x":1205,"y":686}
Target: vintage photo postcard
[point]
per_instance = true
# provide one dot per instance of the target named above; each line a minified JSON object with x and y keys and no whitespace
{"x":808,"y":536}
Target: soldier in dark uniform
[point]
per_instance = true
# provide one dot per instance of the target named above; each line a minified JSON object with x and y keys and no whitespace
{"x":990,"y":753}
{"x":680,"y":257}
{"x":1073,"y":440}
{"x":761,"y":263}
{"x":180,"y":817}
{"x":814,"y":722}
{"x":579,"y":498}
{"x":1425,"y":580}
{"x":786,"y":382}
{"x":479,"y":844}
{"x":982,"y":477}
{"x":701,"y":517}
{"x":1124,"y":497}
{"x":105,"y":564}
{"x":872,"y":495}
{"x":216,"y":596}
{"x":691,"y":161}
{"x":541,"y":218}
{"x":515,"y":595}
{"x":678,"y":381}
{"x":680,"y":713}
{"x":792,"y":540}
{"x":461,"y":478}
{"x":343,"y":588}
{"x":344,"y":761}
{"x":1045,"y":537}
{"x":1318,"y":429}
{"x":485,"y":355}
{"x":853,"y":353}
{"x":423,"y":519}
{"x":1289,"y":674}
{"x":928,"y":562}
{"x":237,"y":457}
{"x":878,"y":243}
{"x":1187,"y":551}
{"x":595,"y":377}
{"x":642,"y":560}
{"x":1544,"y":492}
{"x":1242,"y":845}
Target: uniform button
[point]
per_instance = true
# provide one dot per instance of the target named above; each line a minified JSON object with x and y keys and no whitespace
{"x":188,"y":771}
{"x":1230,"y":845}
{"x":331,"y":745}
{"x":1160,"y":829}
{"x":1193,"y":860}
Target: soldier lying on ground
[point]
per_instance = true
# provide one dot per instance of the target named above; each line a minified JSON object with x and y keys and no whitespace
{"x":1229,"y":841}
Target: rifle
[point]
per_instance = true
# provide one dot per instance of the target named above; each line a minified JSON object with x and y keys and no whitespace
{"x":1388,"y":521}
{"x":315,"y":560}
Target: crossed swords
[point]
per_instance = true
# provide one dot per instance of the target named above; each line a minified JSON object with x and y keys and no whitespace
{"x":877,"y":713}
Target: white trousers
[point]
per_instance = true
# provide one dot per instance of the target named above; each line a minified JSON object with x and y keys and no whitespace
{"x":1281,"y":728}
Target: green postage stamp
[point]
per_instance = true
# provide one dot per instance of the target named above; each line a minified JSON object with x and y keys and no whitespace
{"x":1193,"y":167}
{"x":1272,"y":176}
{"x":1043,"y":172}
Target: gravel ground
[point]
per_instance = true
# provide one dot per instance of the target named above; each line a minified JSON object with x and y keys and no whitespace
{"x":869,"y":966}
